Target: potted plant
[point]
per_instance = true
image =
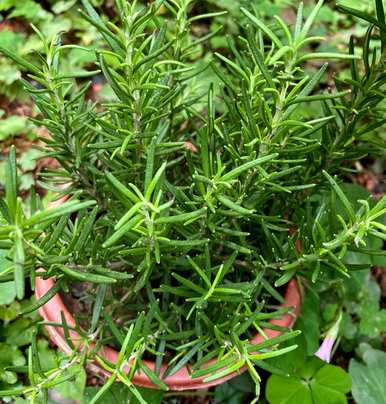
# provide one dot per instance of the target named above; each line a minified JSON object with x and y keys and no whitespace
{"x":187,"y":207}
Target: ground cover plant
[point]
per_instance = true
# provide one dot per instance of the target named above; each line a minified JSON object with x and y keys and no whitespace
{"x":193,"y":205}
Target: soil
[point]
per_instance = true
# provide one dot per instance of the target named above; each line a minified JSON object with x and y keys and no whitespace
{"x":78,"y":302}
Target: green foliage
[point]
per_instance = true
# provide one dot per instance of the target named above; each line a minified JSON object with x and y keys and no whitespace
{"x":75,"y":387}
{"x":235,"y":391}
{"x":298,"y":379}
{"x":7,"y":292}
{"x":45,"y":369}
{"x":59,"y":16}
{"x":310,"y":321}
{"x":12,"y":126}
{"x":16,"y":335}
{"x":368,"y":377}
{"x":363,"y":318}
{"x":197,"y":202}
{"x":316,"y":383}
{"x":10,"y":356}
{"x":357,"y":296}
{"x":119,"y":393}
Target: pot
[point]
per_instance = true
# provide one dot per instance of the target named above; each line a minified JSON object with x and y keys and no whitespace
{"x":181,"y":380}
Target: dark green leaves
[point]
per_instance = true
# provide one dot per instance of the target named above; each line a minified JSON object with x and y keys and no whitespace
{"x":261,"y":25}
{"x":11,"y":185}
{"x":20,"y":61}
{"x":229,"y":176}
{"x":341,"y":195}
{"x":53,"y":213}
{"x":195,"y":193}
{"x":18,"y":263}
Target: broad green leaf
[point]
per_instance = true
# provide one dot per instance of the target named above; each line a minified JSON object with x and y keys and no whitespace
{"x":290,"y":390}
{"x":329,"y":384}
{"x":72,"y":388}
{"x":7,"y":292}
{"x":62,"y":5}
{"x":368,"y":378}
{"x":309,"y":380}
{"x":332,"y":377}
{"x":12,"y":126}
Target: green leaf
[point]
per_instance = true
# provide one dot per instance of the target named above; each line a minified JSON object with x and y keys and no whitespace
{"x":72,"y":388}
{"x":52,"y":213}
{"x":18,"y":267}
{"x":29,"y":159}
{"x":124,"y":191}
{"x":92,"y":16}
{"x":122,"y":231}
{"x":368,"y":378}
{"x":326,"y":56}
{"x":29,"y":9}
{"x":259,"y":60}
{"x":44,"y":299}
{"x":85,"y":276}
{"x":309,"y":321}
{"x":7,"y":292}
{"x":234,"y":391}
{"x":275,"y":39}
{"x":11,"y":183}
{"x":19,"y":332}
{"x":120,"y":394}
{"x":154,"y":182}
{"x":290,"y":390}
{"x":309,"y":22}
{"x":234,"y":206}
{"x":20,"y":61}
{"x":63,"y":5}
{"x":328,"y":384}
{"x":330,"y":377}
{"x":343,"y":198}
{"x":12,"y":126}
{"x":183,"y":217}
{"x":364,"y":16}
{"x":47,"y":357}
{"x":247,"y":166}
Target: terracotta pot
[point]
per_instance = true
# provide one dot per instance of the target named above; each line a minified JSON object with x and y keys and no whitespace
{"x":51,"y":312}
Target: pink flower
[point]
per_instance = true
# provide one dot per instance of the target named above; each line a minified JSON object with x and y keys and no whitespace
{"x":324,"y":351}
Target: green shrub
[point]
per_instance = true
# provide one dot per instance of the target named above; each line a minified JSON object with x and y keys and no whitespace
{"x":195,"y":206}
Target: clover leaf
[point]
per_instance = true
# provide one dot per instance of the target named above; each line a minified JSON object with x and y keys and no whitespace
{"x":312,"y":383}
{"x":368,"y":378}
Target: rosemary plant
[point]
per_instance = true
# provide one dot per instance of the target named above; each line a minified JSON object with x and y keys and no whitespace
{"x":188,"y":211}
